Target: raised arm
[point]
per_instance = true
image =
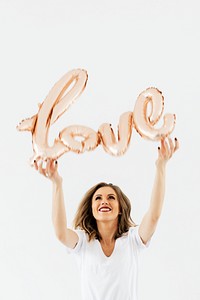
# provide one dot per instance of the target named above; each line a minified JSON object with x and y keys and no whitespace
{"x":65,"y":235}
{"x":150,"y":219}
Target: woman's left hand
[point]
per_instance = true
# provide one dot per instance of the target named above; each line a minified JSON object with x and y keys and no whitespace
{"x":166,"y":150}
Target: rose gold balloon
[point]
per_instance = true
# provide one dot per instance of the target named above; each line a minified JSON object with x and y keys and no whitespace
{"x":55,"y":104}
{"x":144,"y":121}
{"x":90,"y":138}
{"x":147,"y":112}
{"x":109,"y":142}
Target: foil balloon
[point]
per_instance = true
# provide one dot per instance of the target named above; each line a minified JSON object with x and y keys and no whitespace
{"x":55,"y":104}
{"x":117,"y":146}
{"x":89,"y":139}
{"x":148,"y":111}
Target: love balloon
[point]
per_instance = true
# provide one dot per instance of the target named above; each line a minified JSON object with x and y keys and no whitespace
{"x":147,"y":112}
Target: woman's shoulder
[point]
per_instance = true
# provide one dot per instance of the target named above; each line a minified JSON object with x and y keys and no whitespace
{"x":131,"y":229}
{"x":83,"y":235}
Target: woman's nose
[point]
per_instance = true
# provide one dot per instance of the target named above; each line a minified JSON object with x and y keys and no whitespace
{"x":104,"y":201}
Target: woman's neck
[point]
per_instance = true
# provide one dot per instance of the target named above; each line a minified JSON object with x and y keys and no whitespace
{"x":107,"y":231}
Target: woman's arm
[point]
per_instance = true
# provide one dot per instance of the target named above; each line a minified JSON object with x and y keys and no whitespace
{"x":65,"y":235}
{"x":150,"y":219}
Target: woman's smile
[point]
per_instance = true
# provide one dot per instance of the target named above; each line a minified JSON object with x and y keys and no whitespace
{"x":105,"y":209}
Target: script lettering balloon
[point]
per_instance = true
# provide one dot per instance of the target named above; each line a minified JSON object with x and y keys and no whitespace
{"x":79,"y":138}
{"x":117,"y":146}
{"x":144,"y":122}
{"x":90,"y":138}
{"x":55,"y":104}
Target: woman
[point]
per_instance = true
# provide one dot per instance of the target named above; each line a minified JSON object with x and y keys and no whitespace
{"x":106,"y":242}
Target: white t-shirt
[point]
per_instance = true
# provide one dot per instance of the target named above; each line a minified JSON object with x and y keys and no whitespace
{"x":113,"y":277}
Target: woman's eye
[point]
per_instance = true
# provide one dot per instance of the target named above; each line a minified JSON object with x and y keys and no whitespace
{"x":98,"y":198}
{"x":111,"y":197}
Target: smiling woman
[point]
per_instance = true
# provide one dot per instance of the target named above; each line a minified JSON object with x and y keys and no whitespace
{"x":105,"y":241}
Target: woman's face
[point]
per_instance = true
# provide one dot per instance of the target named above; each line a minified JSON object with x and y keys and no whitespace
{"x":105,"y":205}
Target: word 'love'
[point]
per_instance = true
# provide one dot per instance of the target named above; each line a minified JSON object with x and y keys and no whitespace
{"x":57,"y":102}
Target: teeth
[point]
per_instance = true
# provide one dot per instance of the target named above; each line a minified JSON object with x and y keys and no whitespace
{"x":105,"y":209}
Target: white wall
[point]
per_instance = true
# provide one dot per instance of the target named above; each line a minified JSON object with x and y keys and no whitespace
{"x":126,"y":46}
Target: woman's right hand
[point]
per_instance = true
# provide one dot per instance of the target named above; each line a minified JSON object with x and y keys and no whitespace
{"x":50,"y":171}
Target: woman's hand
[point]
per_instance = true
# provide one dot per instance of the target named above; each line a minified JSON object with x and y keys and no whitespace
{"x":166,"y":150}
{"x":50,"y":171}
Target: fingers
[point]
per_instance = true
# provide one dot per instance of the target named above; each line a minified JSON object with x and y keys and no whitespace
{"x":171,"y":145}
{"x":49,"y":170}
{"x":52,"y":167}
{"x":177,"y":145}
{"x":56,"y":165}
{"x":35,"y":165}
{"x":46,"y":168}
{"x":164,"y":149}
{"x":41,"y":169}
{"x":168,"y":148}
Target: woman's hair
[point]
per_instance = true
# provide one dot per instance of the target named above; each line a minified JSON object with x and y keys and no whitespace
{"x":85,"y":220}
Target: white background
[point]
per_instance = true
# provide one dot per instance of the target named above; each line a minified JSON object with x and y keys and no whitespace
{"x":126,"y":46}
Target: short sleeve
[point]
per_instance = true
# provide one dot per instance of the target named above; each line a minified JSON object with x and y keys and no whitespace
{"x":79,"y":245}
{"x":134,"y":235}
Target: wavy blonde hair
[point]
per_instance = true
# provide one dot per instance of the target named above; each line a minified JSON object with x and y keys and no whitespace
{"x":85,"y":220}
